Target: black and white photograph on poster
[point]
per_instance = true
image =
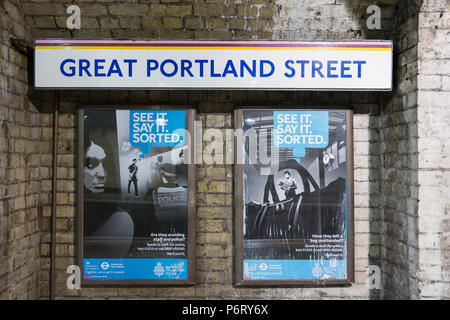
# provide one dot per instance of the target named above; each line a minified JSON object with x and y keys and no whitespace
{"x":135,"y":194}
{"x":295,"y":216}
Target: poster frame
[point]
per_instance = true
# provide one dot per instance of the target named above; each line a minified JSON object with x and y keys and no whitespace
{"x":191,"y":202}
{"x":239,"y":201}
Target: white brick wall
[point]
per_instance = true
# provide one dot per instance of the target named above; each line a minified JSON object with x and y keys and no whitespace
{"x":434,"y":150}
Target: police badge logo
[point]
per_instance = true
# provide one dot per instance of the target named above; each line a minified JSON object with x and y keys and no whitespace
{"x":317,"y":270}
{"x":159,"y":269}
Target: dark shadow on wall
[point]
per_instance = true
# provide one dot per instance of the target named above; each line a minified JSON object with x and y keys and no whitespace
{"x":399,"y":120}
{"x":393,"y":150}
{"x":393,"y":214}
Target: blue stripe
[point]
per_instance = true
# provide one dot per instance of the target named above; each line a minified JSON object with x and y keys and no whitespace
{"x":294,"y":269}
{"x":135,"y":269}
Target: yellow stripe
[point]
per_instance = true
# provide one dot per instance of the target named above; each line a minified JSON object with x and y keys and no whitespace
{"x":214,"y":48}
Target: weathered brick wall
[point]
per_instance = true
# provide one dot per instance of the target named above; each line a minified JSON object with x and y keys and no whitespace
{"x":434,"y":149}
{"x":211,"y":19}
{"x":215,"y":253}
{"x":398,"y":164}
{"x":368,"y":222}
{"x":413,"y":132}
{"x":223,"y":20}
{"x":330,"y":19}
{"x":20,"y":158}
{"x":385,"y":130}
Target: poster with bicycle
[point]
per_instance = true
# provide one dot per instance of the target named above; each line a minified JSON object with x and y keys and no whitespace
{"x":295,"y":209}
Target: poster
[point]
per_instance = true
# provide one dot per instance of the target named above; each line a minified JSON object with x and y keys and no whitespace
{"x":135,"y":194}
{"x":295,"y":203}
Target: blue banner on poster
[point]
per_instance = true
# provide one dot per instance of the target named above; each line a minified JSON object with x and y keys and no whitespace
{"x":295,"y":269}
{"x":300,"y":130}
{"x":135,"y":269}
{"x":157,"y":128}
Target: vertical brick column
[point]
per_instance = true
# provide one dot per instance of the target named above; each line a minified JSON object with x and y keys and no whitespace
{"x":434,"y":150}
{"x":398,"y":164}
{"x":380,"y":215}
{"x":214,"y":217}
{"x":20,"y":158}
{"x":366,"y":191}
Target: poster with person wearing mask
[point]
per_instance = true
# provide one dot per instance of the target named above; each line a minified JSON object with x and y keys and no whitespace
{"x":294,"y":197}
{"x":135,"y":213}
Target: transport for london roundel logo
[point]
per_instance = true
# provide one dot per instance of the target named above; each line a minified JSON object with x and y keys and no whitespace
{"x":159,"y":269}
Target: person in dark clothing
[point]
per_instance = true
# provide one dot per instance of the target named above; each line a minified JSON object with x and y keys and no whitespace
{"x":288,"y":185}
{"x":133,"y":168}
{"x":103,"y":219}
{"x":167,"y":173}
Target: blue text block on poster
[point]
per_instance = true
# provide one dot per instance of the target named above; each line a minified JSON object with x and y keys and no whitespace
{"x":295,"y":269}
{"x":157,"y":128}
{"x":300,"y":129}
{"x":135,"y":269}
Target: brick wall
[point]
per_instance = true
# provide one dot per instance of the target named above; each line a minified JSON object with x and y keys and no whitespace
{"x":218,"y":20}
{"x":20,"y":158}
{"x":414,"y":170}
{"x":433,"y":168}
{"x":211,"y":19}
{"x":215,"y":254}
{"x":398,"y":164}
{"x":386,"y":127}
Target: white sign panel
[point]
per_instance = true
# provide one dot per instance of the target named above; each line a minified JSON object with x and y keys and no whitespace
{"x":279,"y":65}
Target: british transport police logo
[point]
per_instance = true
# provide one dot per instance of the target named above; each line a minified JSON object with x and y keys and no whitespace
{"x":317,"y":270}
{"x":159,"y":269}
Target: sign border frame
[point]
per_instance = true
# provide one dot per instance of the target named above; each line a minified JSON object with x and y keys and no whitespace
{"x":238,"y":209}
{"x":218,"y":88}
{"x":192,"y":194}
